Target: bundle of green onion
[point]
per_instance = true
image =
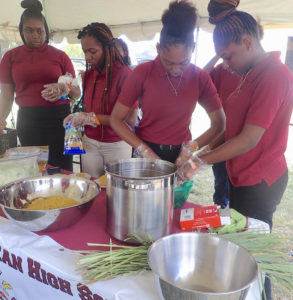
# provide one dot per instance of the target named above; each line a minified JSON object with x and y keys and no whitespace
{"x":268,"y":250}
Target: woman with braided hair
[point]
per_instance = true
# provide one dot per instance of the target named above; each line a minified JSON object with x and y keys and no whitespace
{"x":102,"y":82}
{"x":257,"y":115}
{"x":31,"y":72}
{"x":169,"y":88}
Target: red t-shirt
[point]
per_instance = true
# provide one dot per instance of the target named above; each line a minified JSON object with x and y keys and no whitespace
{"x":265,"y":99}
{"x":166,"y":117}
{"x":95,"y":84}
{"x":29,"y":69}
{"x":225,"y":82}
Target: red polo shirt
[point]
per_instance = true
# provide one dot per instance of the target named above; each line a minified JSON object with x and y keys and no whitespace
{"x":225,"y":82}
{"x":166,"y":117}
{"x":29,"y":69}
{"x":95,"y":84}
{"x":266,"y":100}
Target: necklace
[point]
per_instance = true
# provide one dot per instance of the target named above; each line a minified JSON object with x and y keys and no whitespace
{"x":242,"y":82}
{"x":175,"y":90}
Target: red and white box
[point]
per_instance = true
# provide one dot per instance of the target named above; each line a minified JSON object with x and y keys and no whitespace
{"x":204,"y":217}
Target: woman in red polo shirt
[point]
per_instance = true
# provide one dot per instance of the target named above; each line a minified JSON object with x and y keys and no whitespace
{"x":257,"y":114}
{"x":28,"y":72}
{"x":257,"y":117}
{"x":169,"y":88}
{"x":102,"y":82}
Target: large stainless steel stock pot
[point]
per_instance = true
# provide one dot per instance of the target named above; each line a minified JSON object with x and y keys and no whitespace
{"x":140,"y":196}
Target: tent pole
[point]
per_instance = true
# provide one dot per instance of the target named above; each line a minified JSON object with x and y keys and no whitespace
{"x":46,"y":13}
{"x":196,"y":44}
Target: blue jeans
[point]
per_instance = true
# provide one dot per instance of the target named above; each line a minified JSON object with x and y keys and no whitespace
{"x":221,"y":184}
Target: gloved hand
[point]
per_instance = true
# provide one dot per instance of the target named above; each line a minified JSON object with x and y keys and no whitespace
{"x":54,"y":91}
{"x":67,"y":119}
{"x":187,"y":149}
{"x":83,"y":118}
{"x":2,"y":125}
{"x":59,"y":90}
{"x":191,"y":167}
{"x":145,"y":151}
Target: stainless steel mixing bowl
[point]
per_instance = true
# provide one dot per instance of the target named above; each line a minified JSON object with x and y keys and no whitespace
{"x":201,"y":266}
{"x":15,"y":194}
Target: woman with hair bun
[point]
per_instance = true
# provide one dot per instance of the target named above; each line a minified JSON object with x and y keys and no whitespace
{"x":31,"y":72}
{"x":257,"y":115}
{"x":169,"y":88}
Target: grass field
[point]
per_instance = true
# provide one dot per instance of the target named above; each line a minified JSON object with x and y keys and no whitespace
{"x":202,"y":193}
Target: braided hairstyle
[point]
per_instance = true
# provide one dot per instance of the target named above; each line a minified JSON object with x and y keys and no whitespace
{"x":230,"y":23}
{"x":179,"y":22}
{"x":33,"y":10}
{"x":104,"y":36}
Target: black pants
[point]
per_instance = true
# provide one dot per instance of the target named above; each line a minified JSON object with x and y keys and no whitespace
{"x":165,"y":152}
{"x":260,"y":202}
{"x":42,"y":126}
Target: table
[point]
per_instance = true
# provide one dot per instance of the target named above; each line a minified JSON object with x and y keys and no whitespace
{"x":92,"y":228}
{"x":43,"y":266}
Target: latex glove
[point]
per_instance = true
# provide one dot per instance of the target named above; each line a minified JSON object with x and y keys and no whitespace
{"x":187,"y":149}
{"x":67,"y":119}
{"x":2,"y":125}
{"x":83,"y":118}
{"x":54,"y":91}
{"x":188,"y":170}
{"x":145,"y":151}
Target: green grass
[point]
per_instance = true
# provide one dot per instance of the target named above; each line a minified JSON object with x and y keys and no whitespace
{"x":202,"y":193}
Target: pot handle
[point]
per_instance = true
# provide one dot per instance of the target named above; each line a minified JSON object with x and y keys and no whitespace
{"x":138,"y":186}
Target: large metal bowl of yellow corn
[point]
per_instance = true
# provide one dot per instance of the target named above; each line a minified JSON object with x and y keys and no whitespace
{"x":44,"y":203}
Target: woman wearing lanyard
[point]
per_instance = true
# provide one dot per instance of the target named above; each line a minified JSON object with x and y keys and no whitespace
{"x":258,"y":114}
{"x":29,"y":71}
{"x":102,"y":82}
{"x":169,"y":88}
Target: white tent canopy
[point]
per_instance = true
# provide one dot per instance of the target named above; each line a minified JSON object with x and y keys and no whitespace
{"x":138,"y":19}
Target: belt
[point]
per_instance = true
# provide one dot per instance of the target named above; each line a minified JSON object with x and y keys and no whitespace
{"x":163,"y":147}
{"x":169,"y":147}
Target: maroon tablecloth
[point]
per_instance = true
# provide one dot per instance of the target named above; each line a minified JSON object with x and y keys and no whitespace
{"x":92,"y":227}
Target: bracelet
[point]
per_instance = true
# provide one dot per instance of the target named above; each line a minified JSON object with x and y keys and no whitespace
{"x":97,"y":119}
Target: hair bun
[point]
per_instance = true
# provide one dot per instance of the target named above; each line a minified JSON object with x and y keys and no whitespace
{"x":179,"y":18}
{"x":219,"y":9}
{"x":32,"y":4}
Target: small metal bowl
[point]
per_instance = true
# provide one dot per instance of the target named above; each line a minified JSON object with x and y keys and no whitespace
{"x":15,"y":195}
